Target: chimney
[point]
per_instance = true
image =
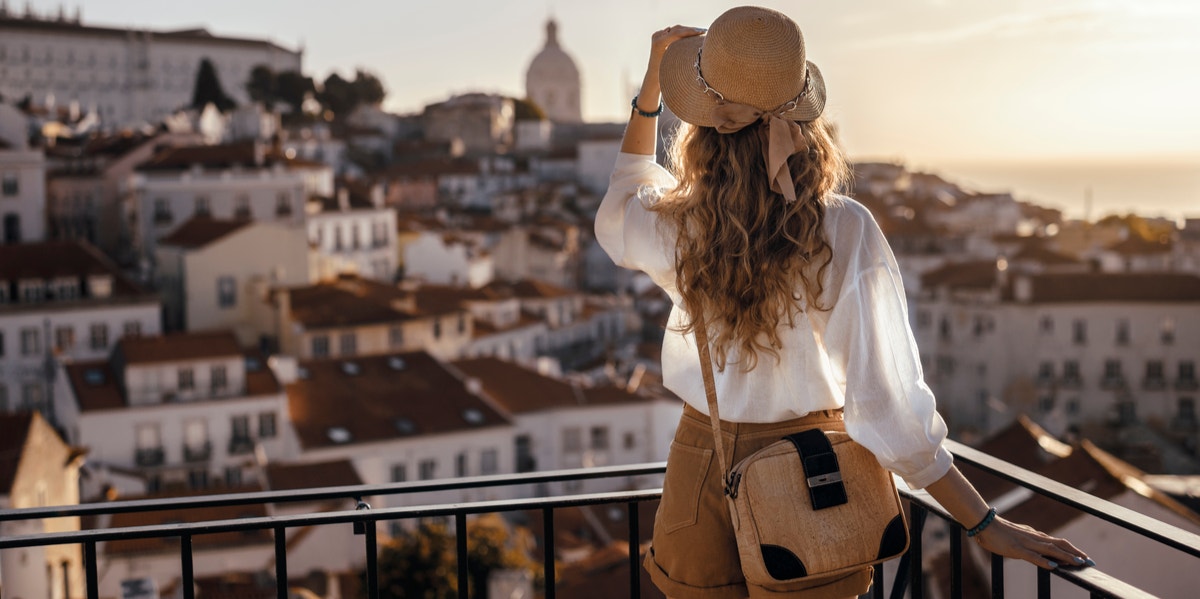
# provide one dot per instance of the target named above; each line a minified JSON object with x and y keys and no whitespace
{"x":377,"y":195}
{"x":343,"y":199}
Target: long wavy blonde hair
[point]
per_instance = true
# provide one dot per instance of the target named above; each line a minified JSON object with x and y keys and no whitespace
{"x":745,"y":258}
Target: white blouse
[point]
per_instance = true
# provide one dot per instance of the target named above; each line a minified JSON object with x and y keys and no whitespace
{"x":869,"y":366}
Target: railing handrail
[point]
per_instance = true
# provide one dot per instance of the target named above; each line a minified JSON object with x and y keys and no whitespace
{"x":320,"y":518}
{"x":1124,"y":517}
{"x":350,"y":492}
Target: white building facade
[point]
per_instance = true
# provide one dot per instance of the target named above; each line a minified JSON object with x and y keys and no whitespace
{"x":124,"y":76}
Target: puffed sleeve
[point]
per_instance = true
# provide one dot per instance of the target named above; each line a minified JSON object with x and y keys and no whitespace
{"x":625,"y":226}
{"x":889,"y":408}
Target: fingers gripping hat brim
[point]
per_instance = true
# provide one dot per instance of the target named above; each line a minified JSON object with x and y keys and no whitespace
{"x":685,"y":95}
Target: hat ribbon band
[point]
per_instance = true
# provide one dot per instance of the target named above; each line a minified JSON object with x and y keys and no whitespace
{"x":781,"y":138}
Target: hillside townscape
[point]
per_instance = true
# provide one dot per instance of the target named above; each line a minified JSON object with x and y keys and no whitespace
{"x":220,"y":275}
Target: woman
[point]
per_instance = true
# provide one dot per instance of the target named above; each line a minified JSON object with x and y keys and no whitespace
{"x":802,"y":296}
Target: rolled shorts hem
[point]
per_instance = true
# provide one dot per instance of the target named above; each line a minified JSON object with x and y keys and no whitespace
{"x":678,"y":590}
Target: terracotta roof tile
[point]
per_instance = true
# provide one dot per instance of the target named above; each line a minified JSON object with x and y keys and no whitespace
{"x":55,"y":259}
{"x":289,"y":477}
{"x":528,"y":289}
{"x":522,"y":390}
{"x":199,"y":542}
{"x":177,"y":347}
{"x":1116,"y":287}
{"x":1136,"y":246}
{"x":349,"y":301}
{"x":382,"y":398}
{"x":95,"y":386}
{"x":975,"y":274}
{"x":14,"y":430}
{"x":200,"y":231}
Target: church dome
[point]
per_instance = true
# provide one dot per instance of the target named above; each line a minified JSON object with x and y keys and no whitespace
{"x":552,"y":80}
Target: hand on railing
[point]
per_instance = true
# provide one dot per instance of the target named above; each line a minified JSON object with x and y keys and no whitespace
{"x":1019,"y":541}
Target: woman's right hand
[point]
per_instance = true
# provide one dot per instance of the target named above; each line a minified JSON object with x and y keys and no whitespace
{"x":663,"y":38}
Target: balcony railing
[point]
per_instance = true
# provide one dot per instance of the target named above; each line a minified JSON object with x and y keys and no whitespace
{"x":197,"y":453}
{"x":909,"y":575}
{"x":240,"y":445}
{"x":149,"y":456}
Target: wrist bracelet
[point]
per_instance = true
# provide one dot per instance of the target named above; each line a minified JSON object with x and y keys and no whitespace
{"x":641,"y":112}
{"x":983,"y":524}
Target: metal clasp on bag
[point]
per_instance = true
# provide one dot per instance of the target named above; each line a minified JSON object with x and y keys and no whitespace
{"x":832,"y":478}
{"x":824,"y":469}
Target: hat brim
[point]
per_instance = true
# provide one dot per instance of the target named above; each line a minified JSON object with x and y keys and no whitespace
{"x":684,"y":95}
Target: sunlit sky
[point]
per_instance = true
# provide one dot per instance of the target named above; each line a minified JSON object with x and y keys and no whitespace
{"x":915,"y":80}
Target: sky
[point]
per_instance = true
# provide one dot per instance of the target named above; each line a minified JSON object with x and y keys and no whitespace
{"x":921,"y":81}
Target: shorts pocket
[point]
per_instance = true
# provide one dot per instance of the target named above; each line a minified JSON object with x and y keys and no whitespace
{"x":687,"y":468}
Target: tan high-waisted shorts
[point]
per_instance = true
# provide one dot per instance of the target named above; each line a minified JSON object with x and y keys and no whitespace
{"x":693,"y":553}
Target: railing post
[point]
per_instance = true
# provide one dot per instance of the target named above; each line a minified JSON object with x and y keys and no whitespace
{"x":372,"y":560}
{"x":188,"y":572}
{"x":1043,"y":583}
{"x":997,"y":576}
{"x":460,"y":540}
{"x":89,"y":565}
{"x":281,"y":587}
{"x":916,"y":579}
{"x":956,"y":559}
{"x":548,"y":549}
{"x":877,"y":587}
{"x":635,"y":548}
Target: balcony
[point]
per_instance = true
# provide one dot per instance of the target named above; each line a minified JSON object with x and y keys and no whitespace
{"x":1188,"y":384}
{"x":240,"y":445}
{"x":148,"y":457}
{"x":197,"y":453}
{"x":1113,"y":382}
{"x":1154,"y":383}
{"x":912,"y":573}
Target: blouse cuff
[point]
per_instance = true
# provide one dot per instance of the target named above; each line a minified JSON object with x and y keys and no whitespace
{"x":942,"y":461}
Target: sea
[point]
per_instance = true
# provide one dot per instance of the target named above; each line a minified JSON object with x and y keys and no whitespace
{"x":1087,"y":190}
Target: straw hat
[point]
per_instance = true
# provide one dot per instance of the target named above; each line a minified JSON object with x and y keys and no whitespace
{"x":750,"y":55}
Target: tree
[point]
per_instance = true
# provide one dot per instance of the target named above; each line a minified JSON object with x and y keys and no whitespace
{"x":270,"y":88}
{"x":342,"y":96}
{"x":525,"y":109}
{"x":262,"y":85}
{"x":208,"y":89}
{"x":423,"y":563}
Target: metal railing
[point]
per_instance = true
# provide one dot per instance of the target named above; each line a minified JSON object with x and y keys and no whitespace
{"x":909,"y":576}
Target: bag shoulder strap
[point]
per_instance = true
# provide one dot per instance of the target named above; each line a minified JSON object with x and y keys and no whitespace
{"x":724,"y":453}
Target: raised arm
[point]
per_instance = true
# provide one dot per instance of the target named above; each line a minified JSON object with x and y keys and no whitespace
{"x":642,"y":132}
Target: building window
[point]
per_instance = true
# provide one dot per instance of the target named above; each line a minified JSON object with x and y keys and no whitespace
{"x":1187,"y":375}
{"x":1155,"y":377}
{"x":9,"y":185}
{"x":1071,"y":371}
{"x":525,"y":460}
{"x":239,"y":438}
{"x":266,"y":425}
{"x":162,"y":212}
{"x":924,"y":319}
{"x":944,"y":329}
{"x":354,"y":236}
{"x":233,"y":476}
{"x":1168,"y":331}
{"x":99,"y":337}
{"x":203,"y":206}
{"x":187,"y":379}
{"x":1046,"y":403}
{"x":1073,"y":406}
{"x":630,"y":441}
{"x":460,"y":465}
{"x":1123,"y":332}
{"x":241,"y":207}
{"x":462,"y":324}
{"x":489,"y":462}
{"x":320,"y":346}
{"x":572,"y":440}
{"x":31,"y":342}
{"x":3,"y":397}
{"x":1045,"y":372}
{"x":283,"y":204}
{"x":399,"y":473}
{"x":226,"y":292}
{"x":133,"y":328}
{"x":427,"y":469}
{"x":33,"y":394}
{"x":198,"y":478}
{"x":347,"y":344}
{"x":220,"y":379}
{"x":600,"y":438}
{"x":1112,"y":374}
{"x":396,"y":337}
{"x":1079,"y":332}
{"x":1046,"y":325}
{"x":437,"y":329}
{"x":1187,"y":409}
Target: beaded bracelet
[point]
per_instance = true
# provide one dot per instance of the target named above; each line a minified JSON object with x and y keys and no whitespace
{"x":648,"y":115}
{"x":987,"y":520}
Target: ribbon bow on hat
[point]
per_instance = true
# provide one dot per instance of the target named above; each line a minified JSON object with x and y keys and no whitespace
{"x":781,"y":137}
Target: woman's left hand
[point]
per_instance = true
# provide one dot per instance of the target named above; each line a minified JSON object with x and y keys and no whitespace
{"x":1014,"y":540}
